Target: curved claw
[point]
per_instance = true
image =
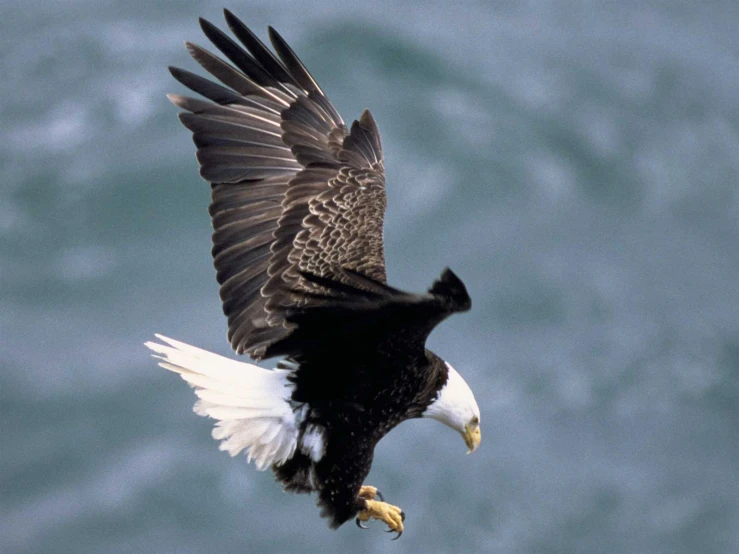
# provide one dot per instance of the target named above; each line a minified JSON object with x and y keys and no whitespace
{"x":399,"y":534}
{"x":378,"y":494}
{"x":402,"y":516}
{"x":359,"y":524}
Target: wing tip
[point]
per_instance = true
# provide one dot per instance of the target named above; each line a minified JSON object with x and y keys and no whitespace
{"x":176,"y":99}
{"x":367,"y":121}
{"x":452,"y":290}
{"x":273,"y":34}
{"x":231,"y":19}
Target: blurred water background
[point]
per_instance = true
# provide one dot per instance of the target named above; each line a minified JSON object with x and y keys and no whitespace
{"x":577,"y":166}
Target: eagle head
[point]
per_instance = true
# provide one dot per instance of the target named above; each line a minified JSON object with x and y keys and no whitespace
{"x":456,"y":407}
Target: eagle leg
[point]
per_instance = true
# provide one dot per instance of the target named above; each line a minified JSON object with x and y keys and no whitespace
{"x":368,"y":492}
{"x":387,"y":513}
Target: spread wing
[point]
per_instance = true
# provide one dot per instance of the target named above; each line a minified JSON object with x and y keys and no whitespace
{"x":294,"y":191}
{"x":359,"y":314}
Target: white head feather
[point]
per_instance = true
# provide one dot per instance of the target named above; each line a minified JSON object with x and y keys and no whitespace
{"x":455,"y":406}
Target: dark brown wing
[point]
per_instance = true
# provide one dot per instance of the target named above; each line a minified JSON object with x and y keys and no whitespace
{"x":361,"y":315}
{"x":293,"y":190}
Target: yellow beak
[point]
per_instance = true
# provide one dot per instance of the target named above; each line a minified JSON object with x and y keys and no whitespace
{"x":472,"y":437}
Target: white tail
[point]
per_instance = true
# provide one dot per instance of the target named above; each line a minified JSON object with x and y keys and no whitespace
{"x":250,"y":403}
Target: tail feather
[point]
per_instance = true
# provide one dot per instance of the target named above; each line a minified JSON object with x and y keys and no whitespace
{"x":250,"y":403}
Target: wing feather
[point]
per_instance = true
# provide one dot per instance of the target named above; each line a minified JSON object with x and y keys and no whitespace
{"x":209,"y":89}
{"x":293,"y":189}
{"x":241,"y":59}
{"x":260,"y":52}
{"x":292,"y":63}
{"x":232,"y":77}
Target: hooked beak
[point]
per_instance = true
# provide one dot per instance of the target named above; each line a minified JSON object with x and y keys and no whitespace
{"x":472,"y":437}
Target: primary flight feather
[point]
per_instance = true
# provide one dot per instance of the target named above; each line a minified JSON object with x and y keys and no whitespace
{"x":298,"y":200}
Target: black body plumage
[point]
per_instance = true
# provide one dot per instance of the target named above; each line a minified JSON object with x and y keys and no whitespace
{"x":362,"y":368}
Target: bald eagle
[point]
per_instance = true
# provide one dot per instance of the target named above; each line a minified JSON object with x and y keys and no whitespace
{"x":298,"y":200}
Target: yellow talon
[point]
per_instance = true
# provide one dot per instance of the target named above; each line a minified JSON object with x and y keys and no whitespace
{"x":387,"y":513}
{"x":369,"y":492}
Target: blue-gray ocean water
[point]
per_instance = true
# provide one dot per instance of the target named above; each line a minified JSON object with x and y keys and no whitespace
{"x":577,"y":167}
